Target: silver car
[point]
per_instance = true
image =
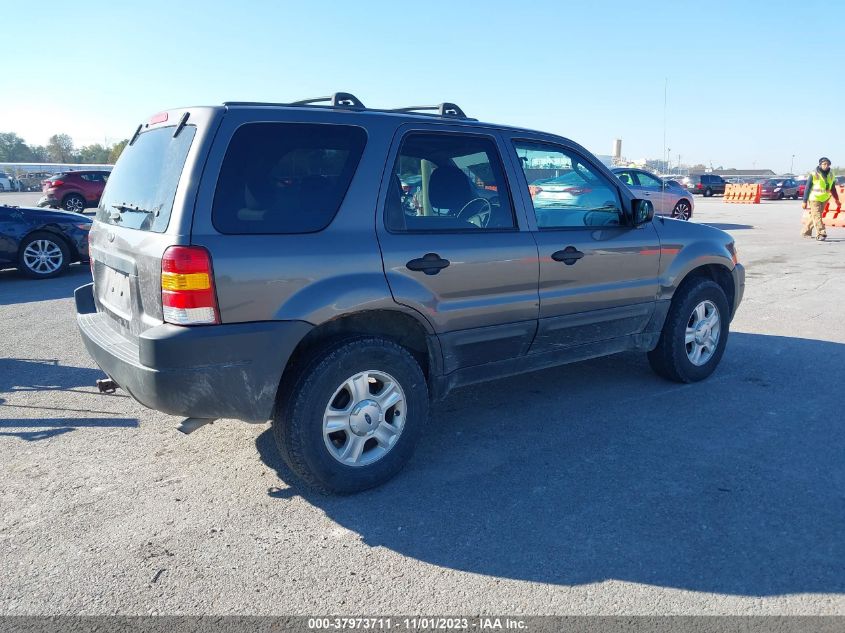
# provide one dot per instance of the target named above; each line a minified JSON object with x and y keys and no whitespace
{"x":669,"y":197}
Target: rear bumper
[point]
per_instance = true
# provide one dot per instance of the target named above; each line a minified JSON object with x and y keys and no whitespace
{"x":221,"y":371}
{"x":47,"y":201}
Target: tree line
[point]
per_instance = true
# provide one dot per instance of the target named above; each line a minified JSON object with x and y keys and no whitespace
{"x":59,"y":149}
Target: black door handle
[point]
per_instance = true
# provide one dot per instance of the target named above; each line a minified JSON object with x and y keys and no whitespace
{"x":430,"y":264}
{"x":568,"y":255}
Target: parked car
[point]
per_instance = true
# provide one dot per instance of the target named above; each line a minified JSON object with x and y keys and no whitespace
{"x":255,"y":261}
{"x":41,"y":243}
{"x":705,"y":184}
{"x":779,"y":188}
{"x":74,"y":190}
{"x":668,"y":196}
{"x":802,"y":185}
{"x":6,"y":182}
{"x":32,"y":181}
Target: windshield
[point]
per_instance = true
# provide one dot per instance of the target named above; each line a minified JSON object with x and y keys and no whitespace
{"x":140,"y":190}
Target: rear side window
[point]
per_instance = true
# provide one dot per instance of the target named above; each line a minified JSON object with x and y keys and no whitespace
{"x":285,"y":177}
{"x":141,"y":188}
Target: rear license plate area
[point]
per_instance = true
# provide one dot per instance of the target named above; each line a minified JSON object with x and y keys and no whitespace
{"x":114,"y":292}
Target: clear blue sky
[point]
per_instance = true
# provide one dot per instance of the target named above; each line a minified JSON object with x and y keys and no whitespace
{"x":746,"y":79}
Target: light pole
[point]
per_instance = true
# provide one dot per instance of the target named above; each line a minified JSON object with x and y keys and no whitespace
{"x":791,"y":165}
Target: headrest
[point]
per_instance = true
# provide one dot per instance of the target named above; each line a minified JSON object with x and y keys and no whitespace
{"x":449,"y":188}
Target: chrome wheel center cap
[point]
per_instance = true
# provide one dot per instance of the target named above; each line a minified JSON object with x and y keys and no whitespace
{"x":365,"y":417}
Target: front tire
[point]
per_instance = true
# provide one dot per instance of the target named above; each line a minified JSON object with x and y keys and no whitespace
{"x":351,"y":419}
{"x":695,"y":333}
{"x":43,"y":255}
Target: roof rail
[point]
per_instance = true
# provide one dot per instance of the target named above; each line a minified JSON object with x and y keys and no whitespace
{"x":337,"y":99}
{"x":443,"y":109}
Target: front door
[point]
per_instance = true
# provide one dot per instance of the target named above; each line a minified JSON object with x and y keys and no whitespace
{"x":598,"y":275}
{"x":455,"y":246}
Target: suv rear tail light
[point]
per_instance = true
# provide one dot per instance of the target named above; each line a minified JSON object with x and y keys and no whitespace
{"x":55,"y":183}
{"x":188,"y":296}
{"x":534,"y":190}
{"x":700,"y":186}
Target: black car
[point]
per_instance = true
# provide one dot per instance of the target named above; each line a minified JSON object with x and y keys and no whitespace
{"x":42,"y":243}
{"x":705,"y":184}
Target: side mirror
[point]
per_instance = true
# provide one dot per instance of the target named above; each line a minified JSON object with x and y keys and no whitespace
{"x":643,"y":211}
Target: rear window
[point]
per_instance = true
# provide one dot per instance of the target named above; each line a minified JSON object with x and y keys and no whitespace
{"x":285,"y":177}
{"x":142,"y":185}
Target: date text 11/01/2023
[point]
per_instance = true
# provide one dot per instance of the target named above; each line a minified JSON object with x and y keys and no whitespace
{"x":416,"y":624}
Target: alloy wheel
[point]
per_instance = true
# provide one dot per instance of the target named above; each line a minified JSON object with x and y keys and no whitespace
{"x":75,"y":204}
{"x":43,"y":257}
{"x":682,"y":211}
{"x":364,"y":418}
{"x":701,"y":338}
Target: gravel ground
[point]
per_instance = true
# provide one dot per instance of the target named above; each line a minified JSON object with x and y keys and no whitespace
{"x":595,"y":488}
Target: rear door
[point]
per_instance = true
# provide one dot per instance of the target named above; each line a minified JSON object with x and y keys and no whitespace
{"x":598,"y":276}
{"x":463,"y":257}
{"x":651,"y":188}
{"x":88,"y":184}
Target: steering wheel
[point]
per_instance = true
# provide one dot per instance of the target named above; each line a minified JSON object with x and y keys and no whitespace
{"x":482,"y":217}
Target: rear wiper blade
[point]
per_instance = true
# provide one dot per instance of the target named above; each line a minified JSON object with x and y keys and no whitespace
{"x":134,"y":207}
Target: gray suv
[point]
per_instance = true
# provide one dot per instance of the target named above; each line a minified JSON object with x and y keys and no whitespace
{"x":256,"y":261}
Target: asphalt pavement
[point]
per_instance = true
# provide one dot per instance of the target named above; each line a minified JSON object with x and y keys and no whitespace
{"x":595,"y":488}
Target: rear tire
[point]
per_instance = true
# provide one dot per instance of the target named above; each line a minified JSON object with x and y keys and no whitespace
{"x":682,"y":210}
{"x":73,"y":203}
{"x":691,"y":327}
{"x":43,"y":255}
{"x":708,"y":192}
{"x":780,"y":195}
{"x":349,"y":386}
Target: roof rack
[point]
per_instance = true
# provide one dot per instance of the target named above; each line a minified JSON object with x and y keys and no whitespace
{"x":348,"y":100}
{"x":337,"y":99}
{"x":443,"y":109}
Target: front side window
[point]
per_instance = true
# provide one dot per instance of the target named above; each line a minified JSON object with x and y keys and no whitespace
{"x":566,"y":191}
{"x":285,"y":177}
{"x":626,"y":177}
{"x":448,"y":182}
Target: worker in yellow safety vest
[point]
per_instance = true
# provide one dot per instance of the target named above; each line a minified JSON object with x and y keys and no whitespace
{"x":821,"y":186}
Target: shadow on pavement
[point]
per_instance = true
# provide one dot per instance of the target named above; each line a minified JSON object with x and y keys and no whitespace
{"x":15,"y":288}
{"x":21,"y":374}
{"x":601,"y":470}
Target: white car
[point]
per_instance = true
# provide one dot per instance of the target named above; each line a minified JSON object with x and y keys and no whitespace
{"x":6,"y":182}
